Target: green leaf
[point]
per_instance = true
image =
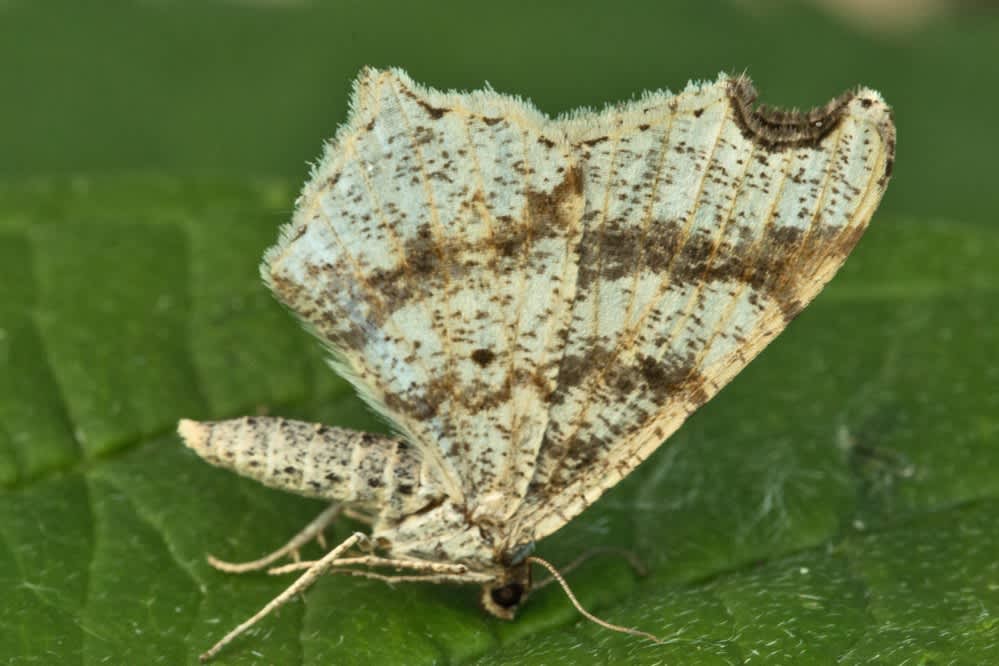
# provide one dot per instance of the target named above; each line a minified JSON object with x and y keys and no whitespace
{"x":837,"y":503}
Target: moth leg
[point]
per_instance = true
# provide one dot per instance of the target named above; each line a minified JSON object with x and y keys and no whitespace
{"x":423,"y":566}
{"x":313,"y":530}
{"x":628,"y":555}
{"x":359,"y":516}
{"x":304,"y":581}
{"x":349,"y":512}
{"x":406,"y":563}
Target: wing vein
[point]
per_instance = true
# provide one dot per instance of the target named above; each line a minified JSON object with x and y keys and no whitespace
{"x":852,"y":218}
{"x":689,"y":306}
{"x":637,"y":452}
{"x":488,"y":217}
{"x":817,"y":212}
{"x":647,"y":221}
{"x":437,"y":232}
{"x":451,"y":485}
{"x":515,"y":421}
{"x":595,"y":323}
{"x":755,"y":251}
{"x":599,"y":379}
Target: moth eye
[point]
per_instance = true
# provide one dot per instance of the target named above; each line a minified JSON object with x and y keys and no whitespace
{"x":508,"y":596}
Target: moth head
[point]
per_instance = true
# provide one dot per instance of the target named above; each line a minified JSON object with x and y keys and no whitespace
{"x":504,"y":595}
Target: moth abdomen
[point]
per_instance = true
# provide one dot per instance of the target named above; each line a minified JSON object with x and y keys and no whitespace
{"x":307,"y":458}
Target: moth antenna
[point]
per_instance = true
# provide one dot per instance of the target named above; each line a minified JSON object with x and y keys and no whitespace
{"x":632,"y":559}
{"x":582,"y":611}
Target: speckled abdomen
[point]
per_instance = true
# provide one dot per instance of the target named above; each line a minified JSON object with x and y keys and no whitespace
{"x":337,"y":464}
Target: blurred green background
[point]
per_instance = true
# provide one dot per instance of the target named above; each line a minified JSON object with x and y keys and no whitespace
{"x":249,"y":88}
{"x":837,"y":504}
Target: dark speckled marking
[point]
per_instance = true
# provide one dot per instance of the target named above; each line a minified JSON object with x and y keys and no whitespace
{"x":673,"y":379}
{"x":778,"y":129}
{"x":547,"y":214}
{"x":783,"y":251}
{"x":669,"y":378}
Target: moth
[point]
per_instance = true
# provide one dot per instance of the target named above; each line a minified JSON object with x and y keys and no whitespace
{"x":536,"y":304}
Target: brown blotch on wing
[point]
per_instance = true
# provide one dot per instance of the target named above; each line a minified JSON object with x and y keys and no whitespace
{"x":423,"y":402}
{"x":427,"y":262}
{"x":674,"y":378}
{"x":556,"y":209}
{"x":433,"y":112}
{"x":483,"y":356}
{"x":669,"y":378}
{"x":784,"y":253}
{"x":318,"y":309}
